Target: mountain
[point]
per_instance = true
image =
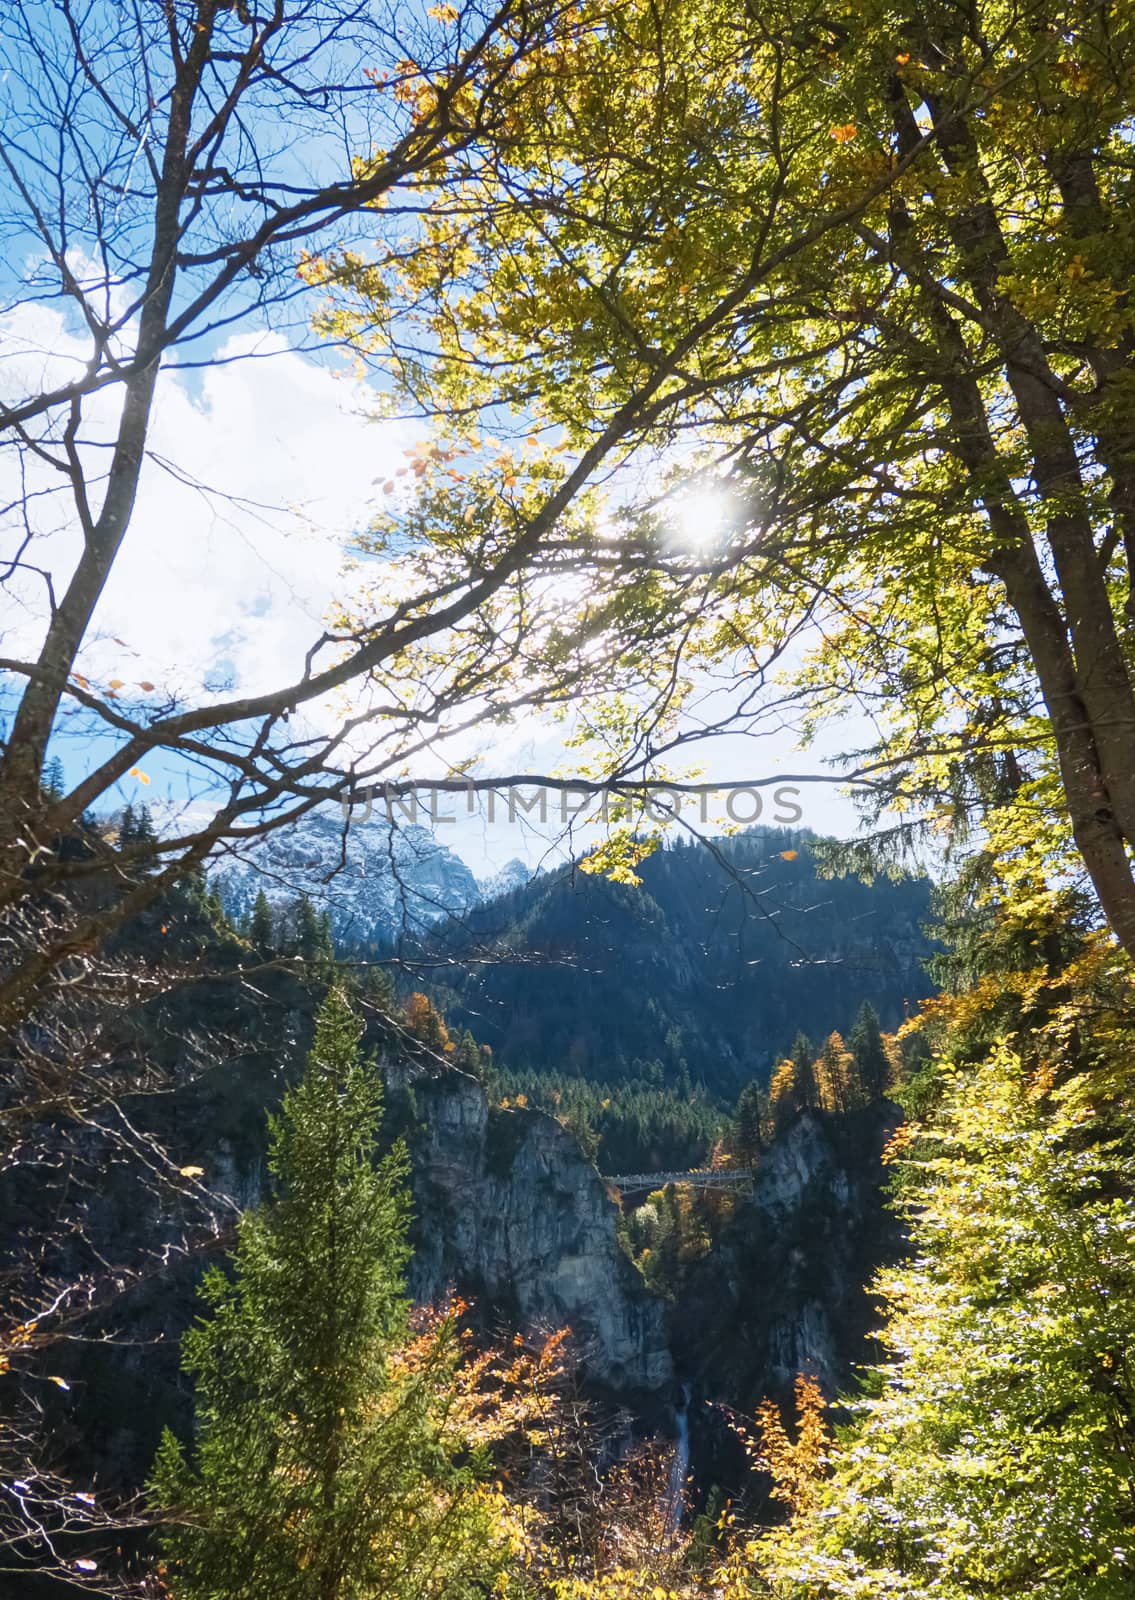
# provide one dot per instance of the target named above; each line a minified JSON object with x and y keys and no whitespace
{"x":704,"y":973}
{"x":513,"y":875}
{"x":376,"y":881}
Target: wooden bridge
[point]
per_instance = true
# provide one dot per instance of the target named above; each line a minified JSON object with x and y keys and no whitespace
{"x":700,"y":1178}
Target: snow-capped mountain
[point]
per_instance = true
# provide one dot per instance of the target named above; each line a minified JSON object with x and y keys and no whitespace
{"x":376,"y":880}
{"x":513,"y":875}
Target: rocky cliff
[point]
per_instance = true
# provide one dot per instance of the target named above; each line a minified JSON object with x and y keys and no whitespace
{"x":376,"y":881}
{"x":786,"y":1290}
{"x":510,"y":1210}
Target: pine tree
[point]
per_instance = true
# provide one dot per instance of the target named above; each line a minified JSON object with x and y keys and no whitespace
{"x":867,"y":1047}
{"x":748,"y":1119}
{"x":324,"y":1466}
{"x":262,"y":927}
{"x":128,"y":826}
{"x":807,"y":1091}
{"x":54,"y":782}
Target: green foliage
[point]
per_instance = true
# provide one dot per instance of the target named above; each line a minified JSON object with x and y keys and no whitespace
{"x":872,"y":1064}
{"x":697,"y":977}
{"x":634,"y":1126}
{"x":262,"y":926}
{"x":996,"y":1459}
{"x":748,"y":1123}
{"x":871,"y":270}
{"x":324,"y":1466}
{"x":54,"y":782}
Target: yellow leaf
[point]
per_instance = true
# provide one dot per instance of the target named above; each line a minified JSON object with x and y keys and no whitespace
{"x":192,"y":1172}
{"x":115,"y":683}
{"x":62,"y":1382}
{"x":136,"y":772}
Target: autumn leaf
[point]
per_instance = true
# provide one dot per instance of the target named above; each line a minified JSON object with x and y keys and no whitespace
{"x":145,"y":685}
{"x":844,"y":132}
{"x":136,"y":772}
{"x":115,"y":683}
{"x":192,"y":1172}
{"x":61,"y":1382}
{"x":789,"y":855}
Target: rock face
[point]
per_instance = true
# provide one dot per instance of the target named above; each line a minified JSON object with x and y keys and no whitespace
{"x":786,"y":1291}
{"x":376,"y":881}
{"x":509,"y":1209}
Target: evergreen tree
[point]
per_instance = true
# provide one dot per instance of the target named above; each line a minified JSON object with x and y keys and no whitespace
{"x":748,"y":1120}
{"x":324,"y":1467}
{"x":871,"y":1064}
{"x":994,"y":1455}
{"x":262,"y":927}
{"x":313,"y":935}
{"x":54,"y":783}
{"x":807,"y":1091}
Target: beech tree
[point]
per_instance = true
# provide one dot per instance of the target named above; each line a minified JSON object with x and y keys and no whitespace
{"x":892,"y":249}
{"x":164,"y":168}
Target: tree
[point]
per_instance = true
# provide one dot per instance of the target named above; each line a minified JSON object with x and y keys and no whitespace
{"x":894,"y":253}
{"x":806,"y":1089}
{"x":324,"y":1465}
{"x":836,"y":1078}
{"x":993,"y":1455}
{"x":872,"y":1065}
{"x":425,"y":1024}
{"x":782,"y":1106}
{"x":196,"y":157}
{"x":313,"y":935}
{"x":262,"y":926}
{"x":748,"y":1121}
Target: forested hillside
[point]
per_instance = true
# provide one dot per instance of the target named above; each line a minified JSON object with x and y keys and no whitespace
{"x":581,"y":408}
{"x":703,"y":975}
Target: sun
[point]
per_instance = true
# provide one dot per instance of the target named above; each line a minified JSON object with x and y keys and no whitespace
{"x":701,"y":516}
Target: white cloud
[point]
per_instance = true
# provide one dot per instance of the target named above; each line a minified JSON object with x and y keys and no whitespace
{"x":260,"y":468}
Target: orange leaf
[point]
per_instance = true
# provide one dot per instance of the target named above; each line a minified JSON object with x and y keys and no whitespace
{"x":115,"y":683}
{"x":844,"y":132}
{"x":789,"y":855}
{"x":136,"y":772}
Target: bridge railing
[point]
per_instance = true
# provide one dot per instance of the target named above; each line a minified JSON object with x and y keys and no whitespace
{"x":700,"y":1178}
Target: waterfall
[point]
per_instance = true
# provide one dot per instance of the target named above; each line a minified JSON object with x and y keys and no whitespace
{"x":680,"y":1465}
